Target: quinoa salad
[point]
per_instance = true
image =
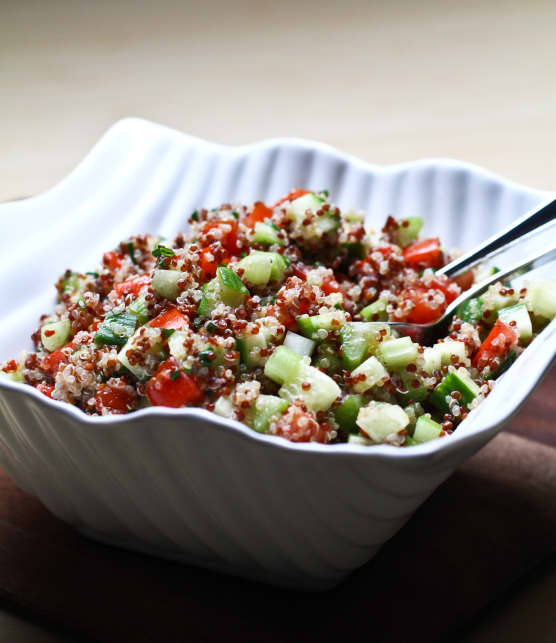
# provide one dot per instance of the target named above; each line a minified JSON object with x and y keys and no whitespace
{"x":276,"y":316}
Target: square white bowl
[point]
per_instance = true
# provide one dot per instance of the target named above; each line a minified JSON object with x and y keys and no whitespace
{"x":186,"y":484}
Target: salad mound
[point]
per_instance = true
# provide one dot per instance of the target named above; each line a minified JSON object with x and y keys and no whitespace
{"x":276,"y":316}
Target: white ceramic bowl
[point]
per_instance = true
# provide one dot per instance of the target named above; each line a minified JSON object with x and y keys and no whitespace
{"x":186,"y":484}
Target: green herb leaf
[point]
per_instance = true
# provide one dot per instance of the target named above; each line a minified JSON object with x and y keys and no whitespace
{"x":163,"y":251}
{"x":174,"y":375}
{"x":206,"y":356}
{"x":211,"y":327}
{"x":195,"y":215}
{"x":116,"y":329}
{"x":235,"y":214}
{"x":92,"y":274}
{"x":168,"y":332}
{"x":131,"y":250}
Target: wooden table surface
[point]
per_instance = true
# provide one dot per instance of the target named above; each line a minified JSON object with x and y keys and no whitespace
{"x":387,"y":82}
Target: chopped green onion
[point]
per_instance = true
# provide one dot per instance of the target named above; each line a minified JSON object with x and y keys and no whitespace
{"x":163,"y":251}
{"x":92,"y":274}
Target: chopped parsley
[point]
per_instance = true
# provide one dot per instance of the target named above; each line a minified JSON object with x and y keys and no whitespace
{"x":174,"y":375}
{"x":168,"y":332}
{"x":235,"y":214}
{"x":163,"y":251}
{"x":92,"y":274}
{"x":195,"y":215}
{"x":131,"y":250}
{"x":206,"y":356}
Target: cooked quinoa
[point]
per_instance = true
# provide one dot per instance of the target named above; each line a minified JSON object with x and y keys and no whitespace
{"x":276,"y":316}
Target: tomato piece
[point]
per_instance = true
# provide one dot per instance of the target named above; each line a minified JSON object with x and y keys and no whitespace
{"x":465,"y":280}
{"x":500,"y":341}
{"x":51,"y":363}
{"x":426,"y":306}
{"x":207,"y":265}
{"x":229,"y":238}
{"x":170,"y":318}
{"x":170,"y":386}
{"x":45,"y":388}
{"x":10,"y":367}
{"x":330,"y":286}
{"x":112,"y":259}
{"x":424,"y":253}
{"x":297,"y":425}
{"x":115,"y":397}
{"x":447,"y":286}
{"x":260,"y":213}
{"x":132,"y":286}
{"x":294,"y":194}
{"x":300,"y":270}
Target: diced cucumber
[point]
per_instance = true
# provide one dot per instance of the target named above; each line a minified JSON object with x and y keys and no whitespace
{"x":375,"y":311}
{"x":360,"y":339}
{"x":314,"y":387}
{"x":459,"y":380}
{"x":408,"y":230}
{"x":249,"y":344}
{"x":352,"y":216}
{"x":327,"y":358}
{"x":380,"y":420}
{"x":267,"y":409}
{"x":278,"y":268}
{"x":165,"y":283}
{"x":398,"y":353}
{"x":232,"y":289}
{"x":224,"y":407}
{"x":426,"y":429}
{"x":55,"y":334}
{"x":299,"y":344}
{"x":283,"y":365}
{"x":256,"y":268}
{"x":267,"y":235}
{"x":494,"y":300}
{"x":144,"y":334}
{"x":355,"y":249}
{"x":416,"y":390}
{"x":176,"y":345}
{"x":471,"y":310}
{"x":211,"y":297}
{"x":297,"y":210}
{"x":448,"y":348}
{"x":140,"y":310}
{"x":522,"y":322}
{"x":542,"y":298}
{"x":409,"y":441}
{"x":484,"y":272}
{"x":374,"y":372}
{"x":414,"y":412}
{"x":346,"y":413}
{"x":359,"y":440}
{"x":314,"y":327}
{"x":116,"y":329}
{"x":432,"y":359}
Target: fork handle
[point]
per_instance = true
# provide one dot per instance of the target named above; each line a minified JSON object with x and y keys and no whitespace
{"x":530,"y":222}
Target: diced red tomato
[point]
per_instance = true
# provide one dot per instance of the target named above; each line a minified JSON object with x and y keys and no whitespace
{"x":260,"y":213}
{"x":112,"y":259}
{"x":424,"y":309}
{"x":45,"y":388}
{"x":229,"y":240}
{"x":297,"y":425}
{"x":300,"y":270}
{"x":208,"y":266}
{"x":170,"y":386}
{"x":465,"y":280}
{"x":132,"y":286}
{"x":116,"y":397}
{"x":331,"y":286}
{"x":424,"y":253}
{"x":51,"y":363}
{"x":294,"y":194}
{"x":447,"y":286}
{"x":171,"y":318}
{"x":10,"y":367}
{"x":499,"y":342}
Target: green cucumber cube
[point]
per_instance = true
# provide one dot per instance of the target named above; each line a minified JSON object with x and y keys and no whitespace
{"x":346,"y":413}
{"x":426,"y":429}
{"x":256,"y":268}
{"x":54,"y":335}
{"x":267,"y":235}
{"x":313,"y":387}
{"x":360,"y":339}
{"x":374,"y":375}
{"x":165,"y":283}
{"x":283,"y":365}
{"x":459,"y":380}
{"x":375,"y":311}
{"x":408,"y":230}
{"x":379,"y":420}
{"x":398,"y":353}
{"x":267,"y":409}
{"x":542,"y":298}
{"x":522,"y":321}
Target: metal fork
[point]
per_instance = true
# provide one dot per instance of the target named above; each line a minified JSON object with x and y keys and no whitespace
{"x":534,"y":222}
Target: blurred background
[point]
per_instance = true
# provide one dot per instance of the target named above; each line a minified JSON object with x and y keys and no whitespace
{"x":386,"y":81}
